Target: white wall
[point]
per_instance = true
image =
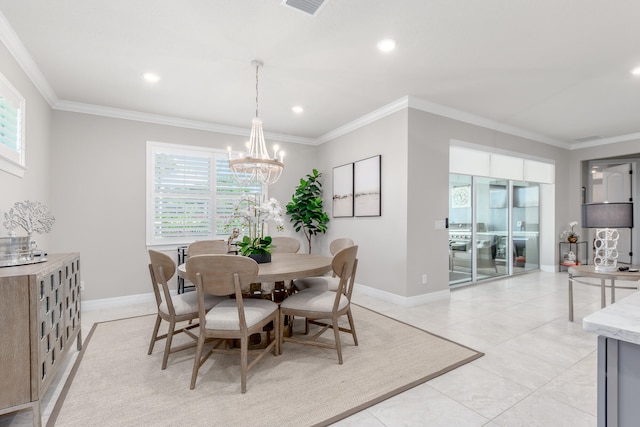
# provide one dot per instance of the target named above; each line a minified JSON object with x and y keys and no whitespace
{"x":98,"y":193}
{"x":36,"y":184}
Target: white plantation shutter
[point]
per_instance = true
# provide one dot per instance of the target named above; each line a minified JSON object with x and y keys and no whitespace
{"x":9,"y":129}
{"x":12,"y":113}
{"x":190,"y":194}
{"x":228,"y":191}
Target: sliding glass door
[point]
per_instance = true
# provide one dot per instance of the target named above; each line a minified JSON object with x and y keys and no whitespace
{"x":493,"y":228}
{"x":492,"y":225}
{"x":526,"y":226}
{"x":460,"y":221}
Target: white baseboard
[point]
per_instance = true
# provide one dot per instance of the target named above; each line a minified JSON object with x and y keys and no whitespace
{"x":401,"y":300}
{"x":549,"y":268}
{"x":119,"y":302}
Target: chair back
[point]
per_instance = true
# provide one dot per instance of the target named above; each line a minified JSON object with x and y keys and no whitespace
{"x":285,"y":245}
{"x":344,"y":265}
{"x":339,"y":244}
{"x":217,"y":274}
{"x":162,"y":268}
{"x":207,"y":247}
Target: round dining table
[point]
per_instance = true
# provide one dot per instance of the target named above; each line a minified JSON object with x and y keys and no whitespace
{"x":284,"y":267}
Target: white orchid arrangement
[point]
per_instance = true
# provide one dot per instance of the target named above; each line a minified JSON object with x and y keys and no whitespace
{"x":251,"y":215}
{"x":33,"y":217}
{"x":571,"y":232}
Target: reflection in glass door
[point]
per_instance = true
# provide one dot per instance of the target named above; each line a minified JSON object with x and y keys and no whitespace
{"x":526,"y":226}
{"x":491,"y":225}
{"x":460,"y":220}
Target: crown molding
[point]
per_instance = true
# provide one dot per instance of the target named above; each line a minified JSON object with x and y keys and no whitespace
{"x":364,"y":120}
{"x":14,"y":45}
{"x":117,"y":113}
{"x":452,"y":113}
{"x":606,"y":141}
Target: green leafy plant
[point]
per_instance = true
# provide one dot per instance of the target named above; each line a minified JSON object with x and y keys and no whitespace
{"x":257,"y":245}
{"x":305,"y":207}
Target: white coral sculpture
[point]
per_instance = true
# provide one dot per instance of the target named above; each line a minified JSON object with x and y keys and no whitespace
{"x":33,"y":217}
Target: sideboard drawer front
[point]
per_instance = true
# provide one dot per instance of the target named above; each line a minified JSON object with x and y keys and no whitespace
{"x":15,"y":342}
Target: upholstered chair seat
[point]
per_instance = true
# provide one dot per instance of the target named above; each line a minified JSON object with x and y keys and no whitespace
{"x":188,"y":303}
{"x":224,"y":316}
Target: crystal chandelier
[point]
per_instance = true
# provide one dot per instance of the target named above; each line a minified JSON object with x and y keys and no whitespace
{"x":255,"y":165}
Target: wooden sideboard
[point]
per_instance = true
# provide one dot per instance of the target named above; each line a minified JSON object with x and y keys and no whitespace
{"x":39,"y":318}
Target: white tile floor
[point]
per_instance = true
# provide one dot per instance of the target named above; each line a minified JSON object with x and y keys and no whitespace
{"x":539,"y":369}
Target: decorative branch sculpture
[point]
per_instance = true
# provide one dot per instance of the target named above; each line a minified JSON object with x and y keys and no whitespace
{"x":33,"y":217}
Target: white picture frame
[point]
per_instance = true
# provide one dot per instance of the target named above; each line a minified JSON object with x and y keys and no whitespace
{"x":366,"y":187}
{"x":343,"y":191}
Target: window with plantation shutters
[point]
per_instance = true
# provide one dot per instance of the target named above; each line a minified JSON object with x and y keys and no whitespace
{"x":190,"y":194}
{"x":12,"y":106}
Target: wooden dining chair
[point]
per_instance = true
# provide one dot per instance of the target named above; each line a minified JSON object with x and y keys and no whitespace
{"x":316,"y":305}
{"x":238,"y":318}
{"x":325,"y":282}
{"x":207,"y":247}
{"x":173,"y":309}
{"x":285,"y":245}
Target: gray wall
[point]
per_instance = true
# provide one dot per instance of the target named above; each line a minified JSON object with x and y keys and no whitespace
{"x":99,"y":191}
{"x":382,"y":241}
{"x":35,"y":185}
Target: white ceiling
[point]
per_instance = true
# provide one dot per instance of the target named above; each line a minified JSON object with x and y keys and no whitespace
{"x":557,"y":69}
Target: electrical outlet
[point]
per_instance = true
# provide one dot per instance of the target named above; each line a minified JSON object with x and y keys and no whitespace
{"x":424,"y":279}
{"x":82,"y":285}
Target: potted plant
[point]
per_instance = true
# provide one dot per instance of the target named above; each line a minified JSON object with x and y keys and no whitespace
{"x":252,"y":215}
{"x":570,"y":235}
{"x":305,"y":207}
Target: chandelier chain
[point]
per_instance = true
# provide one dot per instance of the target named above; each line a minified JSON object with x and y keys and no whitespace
{"x":257,"y":67}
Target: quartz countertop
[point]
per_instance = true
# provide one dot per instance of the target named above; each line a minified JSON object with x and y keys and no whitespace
{"x":620,"y":320}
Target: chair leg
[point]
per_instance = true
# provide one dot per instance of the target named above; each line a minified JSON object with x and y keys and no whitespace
{"x":167,"y":345}
{"x":154,"y":337}
{"x":244,"y":355}
{"x":352,"y":326}
{"x":196,"y":362}
{"x":336,"y":334}
{"x":280,"y":334}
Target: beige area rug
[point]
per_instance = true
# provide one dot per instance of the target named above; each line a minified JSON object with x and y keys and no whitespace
{"x":115,"y":382}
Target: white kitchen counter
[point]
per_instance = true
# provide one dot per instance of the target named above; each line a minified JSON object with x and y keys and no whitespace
{"x":620,"y":320}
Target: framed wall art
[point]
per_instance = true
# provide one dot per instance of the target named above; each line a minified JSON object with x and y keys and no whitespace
{"x":343,"y":191}
{"x":366,"y":187}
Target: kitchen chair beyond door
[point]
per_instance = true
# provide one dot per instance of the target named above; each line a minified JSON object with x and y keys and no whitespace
{"x":317,"y":305}
{"x":238,"y":318}
{"x":325,"y":282}
{"x":172,"y":309}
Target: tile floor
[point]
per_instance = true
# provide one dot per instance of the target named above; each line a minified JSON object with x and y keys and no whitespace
{"x":539,"y":369}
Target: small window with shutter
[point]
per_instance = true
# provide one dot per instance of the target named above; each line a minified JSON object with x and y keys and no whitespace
{"x":12,"y":112}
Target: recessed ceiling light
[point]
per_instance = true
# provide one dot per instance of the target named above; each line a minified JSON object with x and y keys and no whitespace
{"x":297,"y":109}
{"x":636,"y":71}
{"x":386,"y":45}
{"x":151,"y":77}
